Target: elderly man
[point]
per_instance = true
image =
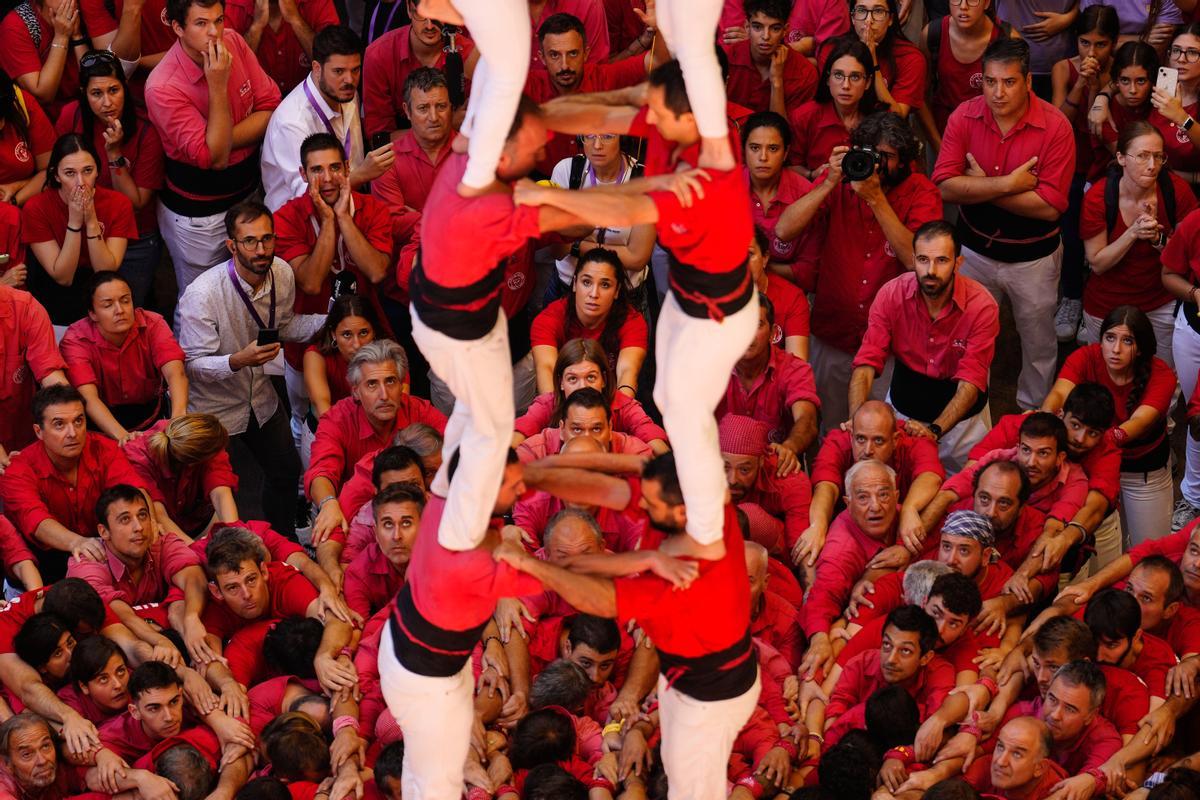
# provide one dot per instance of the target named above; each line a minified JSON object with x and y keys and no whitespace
{"x":1020,"y":768}
{"x":874,"y":433}
{"x":360,"y":424}
{"x":772,"y":619}
{"x":29,"y":755}
{"x":857,"y":535}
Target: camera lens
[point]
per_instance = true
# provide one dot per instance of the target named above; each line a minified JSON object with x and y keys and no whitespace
{"x":857,"y":165}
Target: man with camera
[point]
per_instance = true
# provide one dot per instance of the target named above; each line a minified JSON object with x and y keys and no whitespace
{"x":1007,"y":159}
{"x":869,"y":205}
{"x":940,"y":328}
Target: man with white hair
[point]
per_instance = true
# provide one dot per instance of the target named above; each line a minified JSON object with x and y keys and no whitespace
{"x":379,"y":405}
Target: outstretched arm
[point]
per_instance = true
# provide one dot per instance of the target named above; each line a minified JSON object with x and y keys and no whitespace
{"x":587,"y":593}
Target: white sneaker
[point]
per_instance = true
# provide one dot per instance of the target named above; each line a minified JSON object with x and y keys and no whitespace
{"x":1183,"y":513}
{"x":1066,"y":320}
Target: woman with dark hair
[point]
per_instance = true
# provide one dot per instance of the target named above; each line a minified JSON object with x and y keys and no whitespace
{"x":99,"y":680}
{"x":1126,"y":99}
{"x":583,"y":363}
{"x":124,"y":361}
{"x":350,"y":324}
{"x":73,"y":228}
{"x":1149,"y":21}
{"x":26,"y":138}
{"x":845,"y":95}
{"x":766,"y":138}
{"x":1175,"y":115}
{"x":597,"y":308}
{"x":1142,"y":385}
{"x":1124,"y":241}
{"x":108,"y":118}
{"x":899,"y":65}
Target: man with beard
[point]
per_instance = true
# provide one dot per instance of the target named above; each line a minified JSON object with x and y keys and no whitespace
{"x":231,"y":320}
{"x":29,"y":756}
{"x":941,"y":329}
{"x":867,"y":229}
{"x":377,"y":573}
{"x":324,"y":102}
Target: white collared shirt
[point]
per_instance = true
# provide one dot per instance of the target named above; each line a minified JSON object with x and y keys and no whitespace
{"x":294,"y":121}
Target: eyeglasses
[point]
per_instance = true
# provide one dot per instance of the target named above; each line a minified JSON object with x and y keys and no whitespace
{"x":1145,"y":157}
{"x":94,"y":57}
{"x":1189,"y":56}
{"x":599,"y":137}
{"x":878,"y":13}
{"x":251,"y":243}
{"x":841,"y":77}
{"x":969,"y":3}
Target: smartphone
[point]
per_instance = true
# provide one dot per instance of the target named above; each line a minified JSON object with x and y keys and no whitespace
{"x":4,"y":258}
{"x":267,"y":336}
{"x":1168,"y":80}
{"x":380,"y":139}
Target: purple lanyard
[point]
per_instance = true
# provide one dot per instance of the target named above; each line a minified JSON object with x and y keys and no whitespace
{"x":312,"y":101}
{"x":371,"y":26}
{"x":233,"y":278}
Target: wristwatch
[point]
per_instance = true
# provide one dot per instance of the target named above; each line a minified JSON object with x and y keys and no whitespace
{"x":119,"y":163}
{"x":1187,"y":124}
{"x":936,"y":430}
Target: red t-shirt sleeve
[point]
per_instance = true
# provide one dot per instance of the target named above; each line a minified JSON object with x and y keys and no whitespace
{"x":909,"y":83}
{"x":292,"y":230}
{"x":888,"y":595}
{"x":549,"y":327}
{"x":292,"y":593}
{"x":1092,"y":217}
{"x":148,"y":170}
{"x":97,"y":17}
{"x":19,"y":56}
{"x":634,"y":332}
{"x":40,"y":351}
{"x":1161,"y":388}
{"x":1078,"y":367}
{"x":1177,"y":255}
{"x":36,"y":224}
{"x":116,"y":214}
{"x":639,"y":595}
{"x":375,"y":222}
{"x":41,"y":132}
{"x":1056,"y":162}
{"x":163,"y":347}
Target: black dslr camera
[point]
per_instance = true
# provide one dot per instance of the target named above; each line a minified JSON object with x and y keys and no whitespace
{"x":860,"y":163}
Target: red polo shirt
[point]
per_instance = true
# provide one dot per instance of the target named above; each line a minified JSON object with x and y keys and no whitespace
{"x":1095,"y":745}
{"x":841,"y":563}
{"x":410,"y":179}
{"x":961,"y":654}
{"x":816,"y":130}
{"x":371,"y":581}
{"x":786,"y":498}
{"x":44,"y":219}
{"x":778,"y":623}
{"x":791,"y":307}
{"x":17,"y":153}
{"x":345,"y":434}
{"x":13,"y":546}
{"x":126,"y":737}
{"x":386,"y":65}
{"x":622,"y":531}
{"x":552,"y":329}
{"x":1101,"y":464}
{"x":549,"y":442}
{"x":290,"y":596}
{"x":20,"y":56}
{"x":1183,"y":632}
{"x":979,"y":775}
{"x":912,"y":456}
{"x":27,"y":355}
{"x":128,"y":373}
{"x":786,"y":380}
{"x":1060,"y":497}
{"x":628,"y":416}
{"x":598,"y":76}
{"x":863,"y":675}
{"x":958,"y":344}
{"x":24,"y":606}
{"x":185,"y":494}
{"x":1135,"y":279}
{"x":792,"y":186}
{"x":857,"y":260}
{"x":1181,"y":153}
{"x":595,"y":28}
{"x":1013,"y":544}
{"x":104,"y":16}
{"x":1182,"y":252}
{"x":279,"y":51}
{"x":746,"y":85}
{"x":112,"y":581}
{"x":1153,"y":663}
{"x":10,"y":236}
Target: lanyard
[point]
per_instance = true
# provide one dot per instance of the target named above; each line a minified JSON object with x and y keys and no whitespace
{"x":388,"y":25}
{"x":237,"y":285}
{"x":312,"y":101}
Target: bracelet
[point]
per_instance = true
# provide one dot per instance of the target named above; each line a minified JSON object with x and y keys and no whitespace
{"x":60,"y":46}
{"x":789,"y":747}
{"x":321,"y":503}
{"x":904,"y":754}
{"x":75,"y":230}
{"x":751,"y":785}
{"x":1106,"y":94}
{"x":989,"y":684}
{"x":1118,"y":435}
{"x":97,"y":236}
{"x":814,"y":735}
{"x":1100,"y":778}
{"x":492,"y":638}
{"x":79,"y":43}
{"x":1074,"y":524}
{"x":1067,"y":100}
{"x":612,"y":727}
{"x":478,"y":793}
{"x":972,"y":730}
{"x":626,"y":386}
{"x":344,"y":721}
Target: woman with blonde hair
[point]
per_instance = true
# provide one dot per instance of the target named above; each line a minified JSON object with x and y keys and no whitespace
{"x":185,"y":464}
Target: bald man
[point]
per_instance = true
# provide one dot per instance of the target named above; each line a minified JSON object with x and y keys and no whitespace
{"x":772,"y":619}
{"x":1021,"y":767}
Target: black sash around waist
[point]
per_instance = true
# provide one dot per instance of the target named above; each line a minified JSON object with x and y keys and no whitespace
{"x":1004,"y":236}
{"x":221,"y":189}
{"x":425,"y":648}
{"x":923,"y":398}
{"x":442,"y":307}
{"x":709,"y":295}
{"x":716,"y":676}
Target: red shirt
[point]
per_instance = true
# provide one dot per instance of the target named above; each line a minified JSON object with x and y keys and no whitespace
{"x":551,"y":328}
{"x":549,"y":442}
{"x":957,"y":345}
{"x":821,"y":19}
{"x":143,"y":149}
{"x":20,"y":56}
{"x":335,"y":373}
{"x":10,"y":237}
{"x":597,"y":76}
{"x":44,"y":219}
{"x":863,"y":675}
{"x":184,"y":494}
{"x":290,"y":596}
{"x":345,"y":434}
{"x":1101,"y":464}
{"x":957,"y":81}
{"x":75,"y":699}
{"x":816,"y":130}
{"x":1181,"y":153}
{"x":961,"y":654}
{"x":622,"y":531}
{"x":279,"y":548}
{"x":126,"y":737}
{"x":386,"y":65}
{"x":1135,"y":279}
{"x":1087,"y":365}
{"x":371,"y":581}
{"x":1013,"y":544}
{"x":1183,"y":632}
{"x":595,"y":28}
{"x":410,"y":179}
{"x":791,"y":188}
{"x":912,"y":456}
{"x":104,"y":16}
{"x":24,"y":606}
{"x":788,"y":498}
{"x":1172,"y":546}
{"x":903,"y":71}
{"x":124,"y":374}
{"x":786,"y":380}
{"x":841,"y":563}
{"x":857,"y":259}
{"x":1060,"y":497}
{"x":778,"y":623}
{"x":27,"y":355}
{"x":1095,"y":745}
{"x":177,"y":99}
{"x":1153,"y":663}
{"x":979,"y":775}
{"x":266,"y":699}
{"x":112,"y":581}
{"x":1177,"y":256}
{"x":17,"y":153}
{"x":746,"y":85}
{"x":628,"y":416}
{"x":791,"y":309}
{"x":279,"y":51}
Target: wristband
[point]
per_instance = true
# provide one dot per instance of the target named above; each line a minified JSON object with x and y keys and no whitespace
{"x":478,"y":793}
{"x":1101,"y":781}
{"x":344,"y":721}
{"x":75,"y":230}
{"x":820,"y":739}
{"x":990,"y":684}
{"x":626,"y":386}
{"x":972,"y":730}
{"x":1118,"y":435}
{"x":79,"y":43}
{"x":324,"y":500}
{"x":60,"y":46}
{"x":596,"y":783}
{"x":749,"y":783}
{"x":490,"y":638}
{"x":347,"y":652}
{"x":904,"y":754}
{"x":506,"y":788}
{"x":612,"y":727}
{"x":1079,"y":525}
{"x":789,"y":747}
{"x":97,"y":236}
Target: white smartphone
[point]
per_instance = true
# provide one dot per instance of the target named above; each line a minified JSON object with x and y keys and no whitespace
{"x":1168,"y":80}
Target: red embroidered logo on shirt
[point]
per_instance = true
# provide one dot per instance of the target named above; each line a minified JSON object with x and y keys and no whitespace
{"x":19,"y":375}
{"x":776,"y":334}
{"x":976,"y":80}
{"x":21,"y":151}
{"x":959,"y":344}
{"x":516,"y":281}
{"x":162,"y":15}
{"x":245,"y":90}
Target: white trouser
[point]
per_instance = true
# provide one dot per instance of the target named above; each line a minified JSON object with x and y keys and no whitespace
{"x":695,"y":357}
{"x":687,"y":27}
{"x":832,"y":369}
{"x":478,"y":373}
{"x":435,"y":715}
{"x":1146,"y":505}
{"x":1032,"y":286}
{"x":501,"y":32}
{"x":195,"y":243}
{"x":1186,"y":349}
{"x":1162,"y":319}
{"x":958,"y":441}
{"x":697,"y":739}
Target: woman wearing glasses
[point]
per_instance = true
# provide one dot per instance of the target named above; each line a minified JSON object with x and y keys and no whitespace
{"x":73,"y":228}
{"x":109,"y":120}
{"x":845,"y":95}
{"x":1175,"y":115}
{"x":899,"y":66}
{"x":1124,"y":231}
